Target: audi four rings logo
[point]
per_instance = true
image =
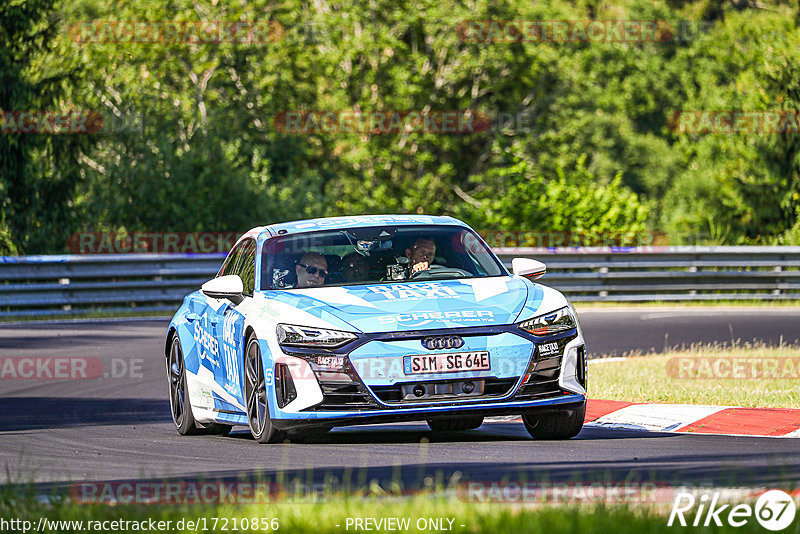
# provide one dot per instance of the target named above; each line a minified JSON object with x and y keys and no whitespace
{"x":442,"y":342}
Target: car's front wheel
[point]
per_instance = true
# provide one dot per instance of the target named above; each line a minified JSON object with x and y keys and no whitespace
{"x":563,"y":424}
{"x":456,"y":424}
{"x":255,"y":395}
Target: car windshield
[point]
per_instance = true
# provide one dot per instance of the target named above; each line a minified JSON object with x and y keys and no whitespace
{"x":374,"y":255}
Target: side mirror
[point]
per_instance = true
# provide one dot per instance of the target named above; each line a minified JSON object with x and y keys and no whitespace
{"x":528,"y":267}
{"x":224,"y":287}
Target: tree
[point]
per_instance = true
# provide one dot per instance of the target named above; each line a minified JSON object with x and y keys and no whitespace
{"x":38,"y":172}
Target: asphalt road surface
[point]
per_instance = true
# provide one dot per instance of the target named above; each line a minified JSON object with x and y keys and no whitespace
{"x":117,"y":425}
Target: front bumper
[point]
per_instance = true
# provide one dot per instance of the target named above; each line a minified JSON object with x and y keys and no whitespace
{"x":528,"y":378}
{"x":316,"y":419}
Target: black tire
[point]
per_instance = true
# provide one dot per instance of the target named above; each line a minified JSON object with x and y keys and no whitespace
{"x":553,"y":426}
{"x":455,"y":425}
{"x":179,"y":403}
{"x":255,"y":396}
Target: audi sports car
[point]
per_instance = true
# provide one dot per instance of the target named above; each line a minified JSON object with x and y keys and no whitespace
{"x":315,"y":324}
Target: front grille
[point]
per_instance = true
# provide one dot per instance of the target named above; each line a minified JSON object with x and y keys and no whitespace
{"x":345,"y":396}
{"x":438,"y":390}
{"x":542,"y":381}
{"x":341,"y":389}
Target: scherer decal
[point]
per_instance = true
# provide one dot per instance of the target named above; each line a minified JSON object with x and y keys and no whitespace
{"x":207,"y":345}
{"x":429,"y":316}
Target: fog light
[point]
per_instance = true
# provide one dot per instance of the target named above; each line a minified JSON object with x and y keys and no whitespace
{"x":418,"y":390}
{"x":468,"y":387}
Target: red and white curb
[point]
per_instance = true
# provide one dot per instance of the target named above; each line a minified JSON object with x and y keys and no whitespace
{"x":689,"y":418}
{"x":695,"y":419}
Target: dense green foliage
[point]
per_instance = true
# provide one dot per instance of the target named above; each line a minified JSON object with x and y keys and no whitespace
{"x":582,"y":135}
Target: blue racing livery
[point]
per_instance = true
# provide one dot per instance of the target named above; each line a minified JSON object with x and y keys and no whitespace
{"x":330,"y":322}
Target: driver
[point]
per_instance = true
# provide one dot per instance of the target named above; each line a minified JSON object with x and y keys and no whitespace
{"x":311,"y":269}
{"x":421,"y":254}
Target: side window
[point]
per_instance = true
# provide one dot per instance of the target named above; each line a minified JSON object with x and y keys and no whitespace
{"x":246,"y":266}
{"x":230,"y":262}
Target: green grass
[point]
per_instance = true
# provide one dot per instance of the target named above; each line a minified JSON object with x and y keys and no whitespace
{"x":322,"y":517}
{"x":658,"y":378}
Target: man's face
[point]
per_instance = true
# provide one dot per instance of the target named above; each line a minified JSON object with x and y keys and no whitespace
{"x":311,"y":263}
{"x":422,"y":250}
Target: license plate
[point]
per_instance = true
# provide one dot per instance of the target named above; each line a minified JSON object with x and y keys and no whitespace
{"x":446,"y":363}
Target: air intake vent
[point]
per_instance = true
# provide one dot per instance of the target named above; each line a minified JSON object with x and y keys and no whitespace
{"x":284,"y":385}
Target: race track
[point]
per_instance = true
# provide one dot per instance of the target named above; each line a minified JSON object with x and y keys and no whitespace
{"x":118,"y":426}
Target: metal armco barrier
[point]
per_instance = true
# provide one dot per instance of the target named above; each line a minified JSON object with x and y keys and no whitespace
{"x":65,"y":285}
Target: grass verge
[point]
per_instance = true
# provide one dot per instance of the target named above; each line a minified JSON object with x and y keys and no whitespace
{"x":740,"y":375}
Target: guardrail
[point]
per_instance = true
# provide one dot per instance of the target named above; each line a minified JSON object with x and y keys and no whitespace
{"x":64,"y":285}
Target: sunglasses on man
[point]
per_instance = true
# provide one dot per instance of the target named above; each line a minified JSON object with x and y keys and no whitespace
{"x":310,"y":269}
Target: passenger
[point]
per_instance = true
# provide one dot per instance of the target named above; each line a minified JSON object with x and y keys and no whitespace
{"x":421,"y":254}
{"x":354,"y":268}
{"x":311,"y":269}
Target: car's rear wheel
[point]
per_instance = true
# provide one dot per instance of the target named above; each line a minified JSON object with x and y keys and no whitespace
{"x":455,"y":424}
{"x":178,"y":393}
{"x":179,"y":403}
{"x":564,"y":424}
{"x":255,"y":395}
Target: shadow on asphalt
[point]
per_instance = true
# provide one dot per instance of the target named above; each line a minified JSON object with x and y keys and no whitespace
{"x":29,"y":413}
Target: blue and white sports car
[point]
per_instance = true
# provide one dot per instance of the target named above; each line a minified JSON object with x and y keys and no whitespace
{"x":321,"y":323}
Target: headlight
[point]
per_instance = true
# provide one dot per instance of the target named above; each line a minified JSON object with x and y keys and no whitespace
{"x":550,"y":323}
{"x":306,"y":336}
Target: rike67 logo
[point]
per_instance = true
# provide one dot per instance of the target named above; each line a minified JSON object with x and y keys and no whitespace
{"x":774,"y":510}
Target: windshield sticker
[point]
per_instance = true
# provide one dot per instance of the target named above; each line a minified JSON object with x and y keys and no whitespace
{"x":431,"y":290}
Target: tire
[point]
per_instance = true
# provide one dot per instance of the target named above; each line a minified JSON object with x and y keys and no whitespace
{"x":179,"y":403}
{"x":455,"y":425}
{"x":255,"y":396}
{"x":553,"y":426}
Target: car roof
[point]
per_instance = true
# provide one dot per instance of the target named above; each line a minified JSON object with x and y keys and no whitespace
{"x":355,"y":221}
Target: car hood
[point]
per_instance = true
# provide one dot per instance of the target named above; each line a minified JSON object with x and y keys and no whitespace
{"x":418,"y":305}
